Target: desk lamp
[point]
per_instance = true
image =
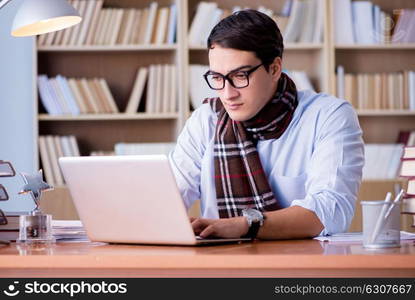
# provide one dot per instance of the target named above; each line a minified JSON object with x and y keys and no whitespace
{"x":42,"y":16}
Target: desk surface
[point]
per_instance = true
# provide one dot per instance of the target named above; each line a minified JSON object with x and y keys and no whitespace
{"x":296,"y":258}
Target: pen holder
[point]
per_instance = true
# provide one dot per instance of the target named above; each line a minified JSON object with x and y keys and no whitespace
{"x":389,"y":233}
{"x":35,"y":229}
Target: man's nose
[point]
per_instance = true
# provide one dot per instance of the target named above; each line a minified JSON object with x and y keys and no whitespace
{"x":229,"y":92}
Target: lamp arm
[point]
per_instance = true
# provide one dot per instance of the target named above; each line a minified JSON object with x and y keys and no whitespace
{"x":4,"y":2}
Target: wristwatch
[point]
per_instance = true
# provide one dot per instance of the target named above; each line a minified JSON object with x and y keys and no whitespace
{"x":255,"y":220}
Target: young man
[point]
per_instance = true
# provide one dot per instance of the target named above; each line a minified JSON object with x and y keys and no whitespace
{"x":266,"y":161}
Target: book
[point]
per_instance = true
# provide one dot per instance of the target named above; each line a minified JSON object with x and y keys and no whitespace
{"x":408,"y":162}
{"x":59,"y":153}
{"x":99,"y":95}
{"x":152,"y":77}
{"x":108,"y":95}
{"x":152,"y":14}
{"x":158,"y":89}
{"x":171,"y":34}
{"x":68,"y":95}
{"x":45,"y":158}
{"x":142,"y":27}
{"x":74,"y":146}
{"x":109,"y":26}
{"x":77,"y":28}
{"x":103,"y":107}
{"x":343,"y":23}
{"x":203,"y":15}
{"x":86,"y":21}
{"x":411,"y":187}
{"x":96,"y":35}
{"x":409,"y":153}
{"x":45,"y":97}
{"x":295,"y":22}
{"x":66,"y":147}
{"x":77,"y":95}
{"x":161,"y":25}
{"x":173,"y":101}
{"x":58,"y":95}
{"x":137,"y":91}
{"x":363,"y":22}
{"x":94,"y":22}
{"x":125,"y":27}
{"x":306,"y":34}
{"x":166,"y":90}
{"x":88,"y":96}
{"x":68,"y":31}
{"x":116,"y":25}
{"x":136,"y":26}
{"x":53,"y":156}
{"x":408,"y":204}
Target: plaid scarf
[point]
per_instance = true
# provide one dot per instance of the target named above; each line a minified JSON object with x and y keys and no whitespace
{"x":239,"y":177}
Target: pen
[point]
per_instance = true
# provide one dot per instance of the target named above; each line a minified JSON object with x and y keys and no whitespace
{"x":380,"y":218}
{"x":397,"y":199}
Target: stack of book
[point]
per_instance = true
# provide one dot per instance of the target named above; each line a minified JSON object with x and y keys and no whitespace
{"x":377,"y":90}
{"x":51,"y":148}
{"x":370,"y":24}
{"x":116,"y":26}
{"x":408,"y":171}
{"x":299,"y":20}
{"x":71,"y":96}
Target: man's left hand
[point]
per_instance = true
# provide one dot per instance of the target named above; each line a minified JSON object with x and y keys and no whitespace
{"x":223,"y":228}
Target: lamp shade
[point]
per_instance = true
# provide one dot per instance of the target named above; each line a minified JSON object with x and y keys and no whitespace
{"x":41,"y":16}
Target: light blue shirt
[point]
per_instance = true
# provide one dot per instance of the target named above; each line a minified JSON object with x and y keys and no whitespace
{"x":316,"y":164}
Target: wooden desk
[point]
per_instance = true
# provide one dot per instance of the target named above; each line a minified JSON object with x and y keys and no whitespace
{"x":300,"y":258}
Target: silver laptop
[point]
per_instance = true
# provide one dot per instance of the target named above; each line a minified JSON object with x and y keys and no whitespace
{"x":130,"y":199}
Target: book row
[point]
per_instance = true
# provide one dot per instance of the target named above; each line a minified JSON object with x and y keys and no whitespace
{"x":377,"y":90}
{"x":299,"y":21}
{"x":371,"y":25}
{"x":117,"y":26}
{"x":71,"y":96}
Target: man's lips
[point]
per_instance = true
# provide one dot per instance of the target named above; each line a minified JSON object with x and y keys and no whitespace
{"x":233,"y":105}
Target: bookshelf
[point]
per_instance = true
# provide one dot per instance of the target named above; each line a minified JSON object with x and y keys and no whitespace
{"x":118,"y":65}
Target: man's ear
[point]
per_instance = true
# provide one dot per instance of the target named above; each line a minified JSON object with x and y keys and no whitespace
{"x":275,"y":68}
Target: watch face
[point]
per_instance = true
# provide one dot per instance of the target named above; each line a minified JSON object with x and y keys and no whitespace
{"x":254,"y":214}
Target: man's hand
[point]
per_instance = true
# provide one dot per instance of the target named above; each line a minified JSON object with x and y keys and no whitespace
{"x":224,"y":228}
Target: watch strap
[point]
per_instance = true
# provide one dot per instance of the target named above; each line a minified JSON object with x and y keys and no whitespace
{"x":253,"y":230}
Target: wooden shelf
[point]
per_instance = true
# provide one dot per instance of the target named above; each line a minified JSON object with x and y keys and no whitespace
{"x":97,"y":48}
{"x":376,"y":47}
{"x":378,"y":112}
{"x":108,"y":117}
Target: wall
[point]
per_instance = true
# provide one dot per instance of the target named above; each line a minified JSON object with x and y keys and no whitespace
{"x":17,"y":117}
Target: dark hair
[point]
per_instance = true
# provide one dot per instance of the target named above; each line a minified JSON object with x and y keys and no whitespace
{"x":249,"y":30}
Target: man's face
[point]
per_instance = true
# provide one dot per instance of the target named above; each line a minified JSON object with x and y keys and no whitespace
{"x":244,"y":103}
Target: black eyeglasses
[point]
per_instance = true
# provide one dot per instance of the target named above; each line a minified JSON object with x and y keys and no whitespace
{"x":238,"y":79}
